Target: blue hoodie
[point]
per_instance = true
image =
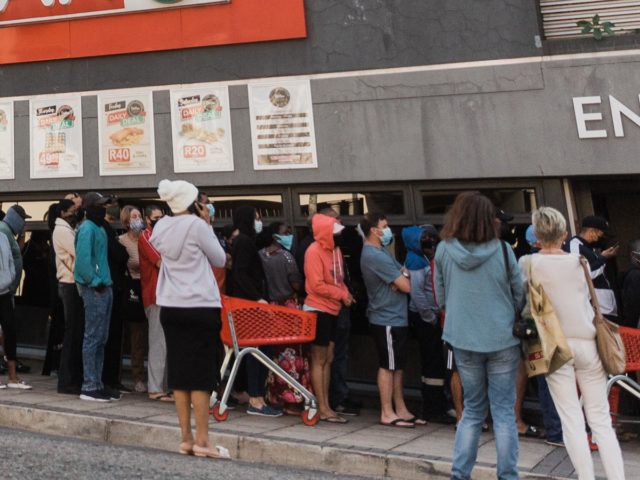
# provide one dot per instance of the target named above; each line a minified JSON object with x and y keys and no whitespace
{"x":415,"y":258}
{"x":421,"y":296}
{"x":471,"y":285}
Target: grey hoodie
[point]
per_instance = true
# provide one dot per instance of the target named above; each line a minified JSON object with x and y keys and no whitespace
{"x":189,"y":249}
{"x":479,"y":298}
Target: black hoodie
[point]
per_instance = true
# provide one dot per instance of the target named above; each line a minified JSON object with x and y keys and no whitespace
{"x":631,"y":296}
{"x":247,"y":276}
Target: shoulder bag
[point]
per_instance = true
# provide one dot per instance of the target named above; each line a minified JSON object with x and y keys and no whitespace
{"x":608,"y":339}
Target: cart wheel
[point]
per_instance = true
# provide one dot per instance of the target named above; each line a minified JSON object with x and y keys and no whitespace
{"x":220,"y":417}
{"x":310,"y":417}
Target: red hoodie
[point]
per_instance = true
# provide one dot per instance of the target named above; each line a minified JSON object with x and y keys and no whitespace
{"x":323,"y":269}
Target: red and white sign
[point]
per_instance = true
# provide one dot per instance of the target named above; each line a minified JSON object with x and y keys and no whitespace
{"x":17,"y":12}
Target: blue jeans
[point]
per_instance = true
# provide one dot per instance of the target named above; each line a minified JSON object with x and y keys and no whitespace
{"x":550,"y":418}
{"x":487,"y":379}
{"x":338,"y":388}
{"x":97,"y":314}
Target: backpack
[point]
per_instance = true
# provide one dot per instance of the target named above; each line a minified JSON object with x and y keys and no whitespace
{"x":7,"y":267}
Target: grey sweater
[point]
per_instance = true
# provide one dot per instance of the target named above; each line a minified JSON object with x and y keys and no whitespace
{"x":189,"y":249}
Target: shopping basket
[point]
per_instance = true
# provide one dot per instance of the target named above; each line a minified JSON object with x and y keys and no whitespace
{"x":631,"y":341}
{"x":247,"y":325}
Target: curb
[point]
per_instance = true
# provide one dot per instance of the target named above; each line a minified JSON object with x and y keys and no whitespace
{"x":243,"y":447}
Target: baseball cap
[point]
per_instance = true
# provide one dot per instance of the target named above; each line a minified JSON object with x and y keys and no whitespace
{"x":594,"y":221}
{"x":503,"y":216}
{"x":20,"y":211}
{"x":92,"y":199}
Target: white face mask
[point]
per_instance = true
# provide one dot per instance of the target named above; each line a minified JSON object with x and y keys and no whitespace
{"x":257,"y":225}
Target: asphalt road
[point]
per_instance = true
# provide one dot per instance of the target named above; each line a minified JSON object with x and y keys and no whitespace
{"x":29,"y":456}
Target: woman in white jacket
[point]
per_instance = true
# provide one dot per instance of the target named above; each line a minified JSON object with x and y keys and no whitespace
{"x":562,"y":277}
{"x":190,"y":309}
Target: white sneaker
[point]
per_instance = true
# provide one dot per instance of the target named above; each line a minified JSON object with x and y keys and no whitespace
{"x":20,"y":385}
{"x":3,"y":386}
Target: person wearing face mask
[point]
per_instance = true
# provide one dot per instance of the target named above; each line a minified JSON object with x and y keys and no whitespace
{"x":134,"y":225}
{"x":326,"y":294}
{"x":387,"y":284}
{"x":64,"y":236}
{"x":150,"y":262}
{"x":424,"y":319}
{"x":283,"y":285}
{"x":248,"y":282}
{"x":93,"y":278}
{"x":594,"y":229}
{"x":117,"y":257}
{"x":12,"y":225}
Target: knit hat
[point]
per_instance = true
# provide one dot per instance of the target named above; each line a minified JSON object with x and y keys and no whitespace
{"x":178,"y":194}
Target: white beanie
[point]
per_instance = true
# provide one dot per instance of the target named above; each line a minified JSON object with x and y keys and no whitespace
{"x":179,"y":194}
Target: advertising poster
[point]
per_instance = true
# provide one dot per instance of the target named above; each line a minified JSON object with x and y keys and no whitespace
{"x":56,"y":137}
{"x":201,"y":124}
{"x":6,"y":141}
{"x":282,"y":130}
{"x":125,"y":123}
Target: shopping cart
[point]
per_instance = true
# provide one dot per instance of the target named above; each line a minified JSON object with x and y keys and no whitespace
{"x":631,"y":341}
{"x":247,"y":325}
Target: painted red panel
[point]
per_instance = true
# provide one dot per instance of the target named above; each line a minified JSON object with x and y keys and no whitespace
{"x":241,"y":21}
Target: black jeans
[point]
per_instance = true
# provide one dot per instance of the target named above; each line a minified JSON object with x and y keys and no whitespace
{"x":257,"y":373}
{"x":429,"y":337}
{"x":338,"y":388}
{"x":8,"y":323}
{"x":70,"y":372}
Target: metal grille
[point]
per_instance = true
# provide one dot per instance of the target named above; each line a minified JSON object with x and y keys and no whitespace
{"x":559,"y":17}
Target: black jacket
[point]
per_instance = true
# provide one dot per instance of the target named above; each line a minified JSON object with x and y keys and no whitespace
{"x":247,"y":275}
{"x":117,"y":258}
{"x":631,"y":296}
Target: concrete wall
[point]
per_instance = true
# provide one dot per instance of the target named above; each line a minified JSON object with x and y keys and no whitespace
{"x":342,"y":35}
{"x":496,"y":121}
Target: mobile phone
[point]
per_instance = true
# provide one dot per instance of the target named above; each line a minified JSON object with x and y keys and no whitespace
{"x":193,"y":209}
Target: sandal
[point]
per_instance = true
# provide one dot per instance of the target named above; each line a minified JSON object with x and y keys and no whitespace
{"x":212,"y":452}
{"x":186,"y":448}
{"x":416,"y":421}
{"x":334,"y":419}
{"x":162,"y":397}
{"x":396,"y":423}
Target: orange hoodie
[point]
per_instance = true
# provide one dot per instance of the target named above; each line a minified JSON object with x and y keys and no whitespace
{"x":323,"y":269}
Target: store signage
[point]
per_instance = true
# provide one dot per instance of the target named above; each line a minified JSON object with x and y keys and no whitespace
{"x":617,"y":108}
{"x":15,"y":12}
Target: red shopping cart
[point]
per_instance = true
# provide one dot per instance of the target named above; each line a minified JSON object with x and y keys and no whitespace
{"x":247,"y":325}
{"x":631,"y":340}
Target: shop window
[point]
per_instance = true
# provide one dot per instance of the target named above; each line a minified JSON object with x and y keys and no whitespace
{"x":352,"y":203}
{"x":513,"y":201}
{"x":269,"y":206}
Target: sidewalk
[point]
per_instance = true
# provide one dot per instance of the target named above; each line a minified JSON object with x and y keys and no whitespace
{"x":361,"y":447}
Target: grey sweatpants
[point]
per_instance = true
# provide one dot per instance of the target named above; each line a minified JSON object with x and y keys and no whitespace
{"x":157,"y":352}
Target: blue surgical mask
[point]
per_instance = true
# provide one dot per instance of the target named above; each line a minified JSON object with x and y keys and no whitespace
{"x":285,"y":240}
{"x":137,"y":225}
{"x":212,"y":210}
{"x":257,"y":224}
{"x":387,"y":236}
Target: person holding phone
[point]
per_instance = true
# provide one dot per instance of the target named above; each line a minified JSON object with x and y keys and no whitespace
{"x":190,"y":305}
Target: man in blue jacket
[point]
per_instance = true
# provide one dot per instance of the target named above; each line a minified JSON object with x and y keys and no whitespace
{"x":93,"y":278}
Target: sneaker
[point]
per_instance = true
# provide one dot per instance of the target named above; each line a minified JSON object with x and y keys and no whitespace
{"x":95,"y":396}
{"x":266,"y":411}
{"x":555,"y":443}
{"x":3,"y":385}
{"x":19,"y":385}
{"x":112,"y":393}
{"x":140,"y":387}
{"x":347,"y":410}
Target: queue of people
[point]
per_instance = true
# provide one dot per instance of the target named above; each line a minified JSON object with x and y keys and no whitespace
{"x":458,"y":293}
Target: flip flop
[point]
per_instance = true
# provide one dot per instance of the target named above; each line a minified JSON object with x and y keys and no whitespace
{"x":416,"y":421}
{"x":162,"y":397}
{"x":336,"y":419}
{"x":396,"y":423}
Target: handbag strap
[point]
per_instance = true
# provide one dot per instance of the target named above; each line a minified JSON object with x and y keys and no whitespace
{"x":505,"y":255}
{"x":592,"y":292}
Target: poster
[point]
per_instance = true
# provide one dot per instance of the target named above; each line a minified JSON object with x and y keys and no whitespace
{"x":201,"y":126}
{"x":56,"y":137}
{"x":282,"y":130}
{"x":126,"y":138}
{"x":6,"y":141}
